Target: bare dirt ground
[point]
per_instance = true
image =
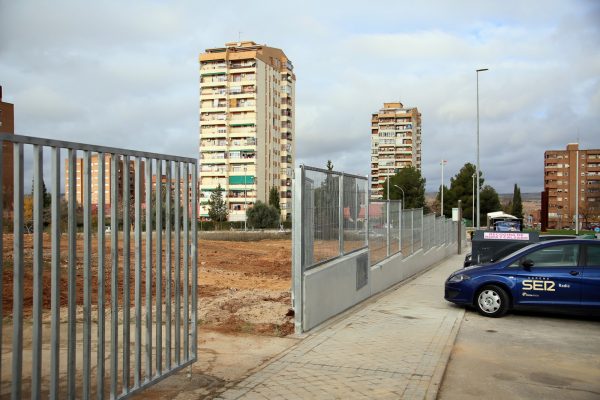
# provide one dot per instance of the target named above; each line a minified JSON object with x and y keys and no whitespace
{"x":244,"y":305}
{"x":243,"y":286}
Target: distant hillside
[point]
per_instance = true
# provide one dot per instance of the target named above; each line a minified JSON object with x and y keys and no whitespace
{"x":429,"y":196}
{"x":524,"y":196}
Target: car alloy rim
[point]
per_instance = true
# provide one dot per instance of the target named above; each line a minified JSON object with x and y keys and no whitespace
{"x":489,"y":301}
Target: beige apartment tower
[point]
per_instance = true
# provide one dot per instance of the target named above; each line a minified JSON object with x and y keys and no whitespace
{"x":395,"y":143}
{"x":572,"y":176}
{"x":247,"y":142}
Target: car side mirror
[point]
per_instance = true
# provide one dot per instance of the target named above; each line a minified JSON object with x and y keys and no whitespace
{"x":527,"y":264}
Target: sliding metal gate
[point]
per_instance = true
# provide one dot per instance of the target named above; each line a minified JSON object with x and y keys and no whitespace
{"x":93,"y":312}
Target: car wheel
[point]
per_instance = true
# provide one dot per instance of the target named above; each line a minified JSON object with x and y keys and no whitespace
{"x":492,"y":301}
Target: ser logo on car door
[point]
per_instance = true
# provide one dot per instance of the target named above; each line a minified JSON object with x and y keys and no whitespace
{"x":539,"y":285}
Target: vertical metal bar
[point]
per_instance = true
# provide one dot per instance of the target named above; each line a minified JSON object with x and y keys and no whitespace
{"x":86,"y":185}
{"x":72,"y":340}
{"x":422,"y":227}
{"x":18,"y":273}
{"x":341,"y":215}
{"x":297,"y":248}
{"x":387,"y":229}
{"x":38,"y":207}
{"x":55,"y":279}
{"x":168,"y":299}
{"x":195,"y":260}
{"x":412,"y":231}
{"x":177,"y":263}
{"x":114,"y":277}
{"x":148,"y":268}
{"x":101,"y":372}
{"x":186,"y":262}
{"x":1,"y":245}
{"x":126,"y":272}
{"x":400,"y":227}
{"x":138,"y":274}
{"x":159,"y":344}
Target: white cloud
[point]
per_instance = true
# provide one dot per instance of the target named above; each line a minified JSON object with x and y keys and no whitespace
{"x":126,"y":75}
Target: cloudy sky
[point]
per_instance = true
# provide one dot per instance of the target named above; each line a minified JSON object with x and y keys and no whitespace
{"x":125,"y":74}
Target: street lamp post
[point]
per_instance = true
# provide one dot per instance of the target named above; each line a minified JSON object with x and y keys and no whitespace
{"x":477,"y":167}
{"x":402,"y":190}
{"x":442,"y":163}
{"x":473,"y":206}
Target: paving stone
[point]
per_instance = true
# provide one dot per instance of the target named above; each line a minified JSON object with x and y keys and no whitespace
{"x":389,"y":348}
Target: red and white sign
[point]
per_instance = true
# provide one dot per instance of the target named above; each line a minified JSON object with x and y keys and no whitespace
{"x":506,"y":235}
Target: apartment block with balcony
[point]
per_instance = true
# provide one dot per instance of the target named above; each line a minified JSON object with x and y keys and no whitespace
{"x":572,"y":177}
{"x":247,"y":125}
{"x":395,"y":143}
{"x":95,"y":173}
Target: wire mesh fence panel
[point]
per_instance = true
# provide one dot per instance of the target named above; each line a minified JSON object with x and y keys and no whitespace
{"x":354,"y":203}
{"x":322,"y":205}
{"x":334,"y":213}
{"x":377,"y":231}
{"x":428,"y":231}
{"x":417,"y":228}
{"x":407,"y":227}
{"x":394,"y":227}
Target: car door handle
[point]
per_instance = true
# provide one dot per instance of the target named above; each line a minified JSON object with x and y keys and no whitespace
{"x":574,"y":273}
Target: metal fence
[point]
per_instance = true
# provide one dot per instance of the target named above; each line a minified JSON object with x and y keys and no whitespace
{"x":337,"y":217}
{"x":333,"y":214}
{"x":93,"y":311}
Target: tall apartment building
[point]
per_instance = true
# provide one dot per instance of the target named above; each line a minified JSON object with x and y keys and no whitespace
{"x":7,"y":125}
{"x":572,"y":176}
{"x":95,"y":172}
{"x":395,"y":143}
{"x":247,"y":126}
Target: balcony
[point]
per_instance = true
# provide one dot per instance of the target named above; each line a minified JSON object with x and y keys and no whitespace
{"x":242,"y":64}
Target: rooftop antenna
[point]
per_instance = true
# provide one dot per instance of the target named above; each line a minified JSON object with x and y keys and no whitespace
{"x":240,"y":38}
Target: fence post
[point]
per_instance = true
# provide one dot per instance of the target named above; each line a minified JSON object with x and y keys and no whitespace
{"x":341,"y":215}
{"x":422,"y":227}
{"x":400,"y":228}
{"x":297,"y":247}
{"x":387,"y":228}
{"x":459,"y":224}
{"x":412,"y":231}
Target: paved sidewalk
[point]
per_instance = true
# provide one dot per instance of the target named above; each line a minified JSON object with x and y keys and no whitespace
{"x":394,"y":347}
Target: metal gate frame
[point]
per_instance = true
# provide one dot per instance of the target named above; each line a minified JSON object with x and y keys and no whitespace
{"x":120,"y":363}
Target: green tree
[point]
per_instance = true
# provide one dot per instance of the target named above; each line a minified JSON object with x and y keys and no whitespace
{"x":489,"y":201}
{"x":413,"y":184}
{"x":274,"y":198}
{"x":461,"y":188}
{"x":262,"y":216}
{"x":217,"y":209}
{"x":517,"y":204}
{"x":329,"y":165}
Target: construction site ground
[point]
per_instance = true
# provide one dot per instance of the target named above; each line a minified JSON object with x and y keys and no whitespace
{"x":244,"y":306}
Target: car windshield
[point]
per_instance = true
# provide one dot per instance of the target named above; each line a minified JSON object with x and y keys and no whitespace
{"x":520,"y":251}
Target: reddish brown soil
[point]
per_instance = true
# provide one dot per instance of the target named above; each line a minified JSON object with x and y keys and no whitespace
{"x":243,"y":286}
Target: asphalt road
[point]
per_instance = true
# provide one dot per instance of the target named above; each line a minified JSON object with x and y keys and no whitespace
{"x":524,"y":355}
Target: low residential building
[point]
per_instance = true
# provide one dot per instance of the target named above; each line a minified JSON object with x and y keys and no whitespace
{"x":571,"y":178}
{"x":7,"y":125}
{"x":95,"y":173}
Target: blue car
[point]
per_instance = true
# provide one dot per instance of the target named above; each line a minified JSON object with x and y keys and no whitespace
{"x":551,"y":274}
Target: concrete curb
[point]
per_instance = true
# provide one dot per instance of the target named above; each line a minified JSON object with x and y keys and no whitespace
{"x":440,"y":369}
